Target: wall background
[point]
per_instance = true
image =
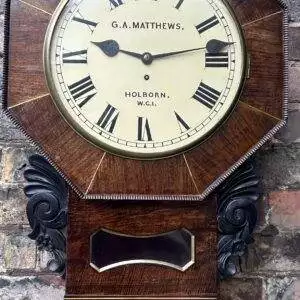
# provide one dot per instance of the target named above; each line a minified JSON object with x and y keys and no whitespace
{"x":272,"y":269}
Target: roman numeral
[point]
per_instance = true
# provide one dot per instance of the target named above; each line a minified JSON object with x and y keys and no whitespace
{"x":115,"y":3}
{"x":144,"y":129}
{"x":182,"y":124}
{"x":217,"y":60}
{"x":209,"y":23}
{"x":207,"y":95}
{"x":77,"y":57}
{"x":84,"y":21}
{"x":109,"y":118}
{"x":90,"y":24}
{"x":81,"y":89}
{"x":179,"y":4}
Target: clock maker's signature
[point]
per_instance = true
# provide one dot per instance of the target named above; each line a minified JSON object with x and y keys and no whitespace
{"x":147,"y":25}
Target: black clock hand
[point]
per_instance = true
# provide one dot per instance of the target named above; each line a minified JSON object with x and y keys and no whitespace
{"x":111,"y":48}
{"x":162,"y":55}
{"x":134,"y":54}
{"x":212,"y":46}
{"x":215,"y":46}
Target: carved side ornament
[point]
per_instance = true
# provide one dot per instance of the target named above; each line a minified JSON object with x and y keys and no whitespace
{"x":237,"y":218}
{"x":47,"y":196}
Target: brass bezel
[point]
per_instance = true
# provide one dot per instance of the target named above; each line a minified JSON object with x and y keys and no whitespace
{"x":112,"y":150}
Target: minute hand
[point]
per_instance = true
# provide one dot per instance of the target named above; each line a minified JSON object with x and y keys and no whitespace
{"x":134,"y":54}
{"x":162,"y":55}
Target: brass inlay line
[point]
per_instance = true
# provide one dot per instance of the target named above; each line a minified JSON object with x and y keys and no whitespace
{"x":29,"y":100}
{"x":35,"y":7}
{"x":93,"y":179}
{"x":260,"y":111}
{"x":191,"y":174}
{"x":263,"y":18}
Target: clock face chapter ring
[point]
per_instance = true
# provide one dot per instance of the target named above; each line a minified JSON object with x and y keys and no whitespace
{"x":144,"y":79}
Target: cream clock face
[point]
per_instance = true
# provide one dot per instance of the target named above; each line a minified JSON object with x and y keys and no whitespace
{"x":144,"y":78}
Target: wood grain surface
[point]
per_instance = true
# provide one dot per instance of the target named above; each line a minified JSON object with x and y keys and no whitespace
{"x":253,"y":10}
{"x":244,"y":128}
{"x":163,"y":177}
{"x":26,"y":73}
{"x":141,"y":218}
{"x":264,"y":88}
{"x":47,"y":6}
{"x":71,"y":153}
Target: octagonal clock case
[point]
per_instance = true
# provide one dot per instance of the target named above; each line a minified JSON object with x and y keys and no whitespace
{"x":145,"y":102}
{"x":91,"y":113}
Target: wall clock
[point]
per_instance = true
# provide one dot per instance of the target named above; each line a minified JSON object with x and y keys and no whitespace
{"x":152,"y":104}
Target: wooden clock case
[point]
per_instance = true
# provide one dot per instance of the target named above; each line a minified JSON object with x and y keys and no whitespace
{"x":189,"y":176}
{"x":96,"y":175}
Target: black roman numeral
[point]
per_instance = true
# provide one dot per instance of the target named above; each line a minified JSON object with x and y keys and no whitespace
{"x":182,"y":124}
{"x":217,"y":60}
{"x":209,"y":23}
{"x":81,"y":89}
{"x":90,"y":24}
{"x":109,"y":118}
{"x":207,"y":95}
{"x":144,"y":132}
{"x":77,"y":57}
{"x":115,"y":3}
{"x":179,"y":4}
{"x":84,"y":21}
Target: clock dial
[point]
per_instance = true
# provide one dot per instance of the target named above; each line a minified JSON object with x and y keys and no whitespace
{"x":144,"y":78}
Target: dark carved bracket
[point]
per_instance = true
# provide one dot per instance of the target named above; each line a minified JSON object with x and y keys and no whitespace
{"x":47,"y":214}
{"x":47,"y":210}
{"x":237,"y":218}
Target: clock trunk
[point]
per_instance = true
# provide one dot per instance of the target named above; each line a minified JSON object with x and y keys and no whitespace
{"x":141,"y":281}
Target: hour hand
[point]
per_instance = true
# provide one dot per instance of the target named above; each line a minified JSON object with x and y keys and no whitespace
{"x":215,"y":46}
{"x":111,"y":48}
